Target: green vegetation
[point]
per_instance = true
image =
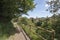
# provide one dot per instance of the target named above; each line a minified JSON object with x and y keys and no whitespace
{"x":6,"y":30}
{"x":31,"y":31}
{"x":54,"y":6}
{"x":10,"y":9}
{"x":13,"y":8}
{"x":36,"y":29}
{"x":39,"y":28}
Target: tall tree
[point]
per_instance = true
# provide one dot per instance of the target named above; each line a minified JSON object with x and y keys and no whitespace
{"x":11,"y":8}
{"x":54,"y":6}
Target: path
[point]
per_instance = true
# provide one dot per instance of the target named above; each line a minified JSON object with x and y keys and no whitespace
{"x":19,"y":36}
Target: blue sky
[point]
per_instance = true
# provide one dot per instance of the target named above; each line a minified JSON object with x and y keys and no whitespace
{"x":39,"y":10}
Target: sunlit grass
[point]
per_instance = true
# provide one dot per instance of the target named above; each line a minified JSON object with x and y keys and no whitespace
{"x":31,"y":32}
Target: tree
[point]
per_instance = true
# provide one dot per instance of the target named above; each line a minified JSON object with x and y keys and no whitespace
{"x":11,"y":8}
{"x":56,"y":25}
{"x":54,"y":5}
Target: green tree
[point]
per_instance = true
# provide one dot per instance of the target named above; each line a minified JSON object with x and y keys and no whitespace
{"x":10,"y":8}
{"x":56,"y":25}
{"x":54,"y":5}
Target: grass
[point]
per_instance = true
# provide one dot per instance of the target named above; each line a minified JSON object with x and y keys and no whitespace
{"x":31,"y":32}
{"x":6,"y":29}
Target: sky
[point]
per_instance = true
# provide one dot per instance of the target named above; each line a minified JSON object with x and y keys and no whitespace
{"x":39,"y":10}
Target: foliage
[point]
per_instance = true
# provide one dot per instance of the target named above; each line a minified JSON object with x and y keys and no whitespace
{"x":56,"y":25}
{"x":54,"y":5}
{"x":12,"y":8}
{"x":6,"y":29}
{"x":38,"y":23}
{"x":25,"y":21}
{"x":46,"y":23}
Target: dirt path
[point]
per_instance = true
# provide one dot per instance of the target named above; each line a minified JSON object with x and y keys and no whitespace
{"x":19,"y":36}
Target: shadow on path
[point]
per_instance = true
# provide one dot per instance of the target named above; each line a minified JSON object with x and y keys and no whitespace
{"x":7,"y":29}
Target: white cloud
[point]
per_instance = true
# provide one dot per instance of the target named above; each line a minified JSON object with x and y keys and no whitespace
{"x":46,"y":5}
{"x":49,"y":0}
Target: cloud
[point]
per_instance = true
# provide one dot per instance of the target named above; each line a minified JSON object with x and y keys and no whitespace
{"x":51,"y":0}
{"x":46,"y":5}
